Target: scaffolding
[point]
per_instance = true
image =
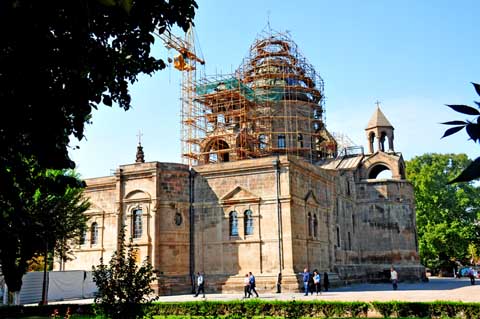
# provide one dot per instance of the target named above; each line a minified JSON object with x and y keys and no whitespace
{"x":272,"y":104}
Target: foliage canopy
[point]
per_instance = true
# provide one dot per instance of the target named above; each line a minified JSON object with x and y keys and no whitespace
{"x":447,"y":214}
{"x":44,"y":214}
{"x":59,"y":60}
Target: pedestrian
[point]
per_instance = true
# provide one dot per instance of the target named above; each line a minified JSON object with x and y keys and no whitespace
{"x":326,"y":282}
{"x":317,"y":281}
{"x":246,"y":286}
{"x":200,"y":284}
{"x":471,"y":275}
{"x":279,"y":283}
{"x":311,"y":284}
{"x":252,"y":284}
{"x":306,"y":279}
{"x":394,"y":278}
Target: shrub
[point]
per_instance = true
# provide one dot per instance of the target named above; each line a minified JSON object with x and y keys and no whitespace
{"x":386,"y":309}
{"x":123,"y":286}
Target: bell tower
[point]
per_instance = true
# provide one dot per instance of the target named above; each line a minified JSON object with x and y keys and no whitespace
{"x":379,"y":129}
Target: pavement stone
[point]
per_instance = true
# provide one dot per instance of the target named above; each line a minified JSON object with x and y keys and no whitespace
{"x":445,"y":289}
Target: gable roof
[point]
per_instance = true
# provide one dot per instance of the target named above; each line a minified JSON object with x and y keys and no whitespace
{"x":239,"y":195}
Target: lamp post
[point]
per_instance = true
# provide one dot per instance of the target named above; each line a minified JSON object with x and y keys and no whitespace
{"x":276,"y":165}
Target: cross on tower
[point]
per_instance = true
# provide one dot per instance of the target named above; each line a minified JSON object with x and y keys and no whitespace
{"x":140,"y":156}
{"x":378,"y":103}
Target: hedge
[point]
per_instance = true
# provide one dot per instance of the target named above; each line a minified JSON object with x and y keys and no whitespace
{"x":296,"y":309}
{"x":285,"y":309}
{"x":46,"y":311}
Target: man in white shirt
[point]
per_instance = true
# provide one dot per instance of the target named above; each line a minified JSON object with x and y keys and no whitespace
{"x":200,"y":284}
{"x":394,"y":278}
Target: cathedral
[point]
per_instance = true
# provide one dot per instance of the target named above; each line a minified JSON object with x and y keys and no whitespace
{"x":264,"y":188}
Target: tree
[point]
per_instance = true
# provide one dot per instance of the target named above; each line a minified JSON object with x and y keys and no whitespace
{"x":123,"y":286}
{"x":59,"y":60}
{"x":447,"y":214}
{"x":43,"y":216}
{"x":472,"y":171}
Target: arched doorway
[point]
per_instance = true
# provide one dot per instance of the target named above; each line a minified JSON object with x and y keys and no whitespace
{"x":380,"y":171}
{"x":217,"y":151}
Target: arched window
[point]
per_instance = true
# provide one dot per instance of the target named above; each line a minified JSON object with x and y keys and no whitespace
{"x":248,"y":222}
{"x":94,"y":234}
{"x":262,"y":140}
{"x":315,"y":226}
{"x":371,"y":141}
{"x":83,"y":237}
{"x":281,"y":141}
{"x":338,"y":237}
{"x":349,"y":242}
{"x":233,"y":224}
{"x":383,"y":135}
{"x":310,"y":224}
{"x":137,"y":226}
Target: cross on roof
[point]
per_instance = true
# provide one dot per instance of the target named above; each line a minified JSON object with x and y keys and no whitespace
{"x":378,"y":103}
{"x":139,"y":135}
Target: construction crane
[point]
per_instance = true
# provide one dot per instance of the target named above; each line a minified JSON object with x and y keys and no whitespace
{"x":185,"y":61}
{"x":186,"y":57}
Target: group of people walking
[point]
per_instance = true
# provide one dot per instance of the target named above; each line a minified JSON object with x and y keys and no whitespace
{"x":249,"y":285}
{"x":313,"y":282}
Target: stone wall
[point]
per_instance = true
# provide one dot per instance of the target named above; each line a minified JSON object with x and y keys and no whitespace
{"x":311,"y":215}
{"x":237,"y":187}
{"x":378,"y":231}
{"x":330,"y":219}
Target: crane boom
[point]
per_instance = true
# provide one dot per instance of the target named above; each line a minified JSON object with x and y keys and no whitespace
{"x":183,"y":48}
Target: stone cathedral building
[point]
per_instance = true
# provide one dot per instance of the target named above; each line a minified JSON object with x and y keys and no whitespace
{"x":268,"y":188}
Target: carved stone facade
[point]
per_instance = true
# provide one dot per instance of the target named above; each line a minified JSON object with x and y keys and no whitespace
{"x":264,"y":204}
{"x":265,"y":215}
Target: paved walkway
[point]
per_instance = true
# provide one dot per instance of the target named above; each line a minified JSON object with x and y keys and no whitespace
{"x":436,"y":289}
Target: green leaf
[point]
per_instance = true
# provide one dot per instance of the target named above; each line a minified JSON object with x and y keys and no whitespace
{"x":473,"y":130}
{"x":454,"y":123}
{"x":107,"y":100}
{"x":469,"y":174}
{"x":465,"y":109}
{"x":477,"y":87}
{"x":452,"y":130}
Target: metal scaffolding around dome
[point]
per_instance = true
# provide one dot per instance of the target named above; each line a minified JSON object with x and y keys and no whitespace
{"x":272,"y":104}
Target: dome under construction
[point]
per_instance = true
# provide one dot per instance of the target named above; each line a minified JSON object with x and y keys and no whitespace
{"x":272,"y":104}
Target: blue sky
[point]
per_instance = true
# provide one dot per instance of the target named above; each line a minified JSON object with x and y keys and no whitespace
{"x":413,"y":56}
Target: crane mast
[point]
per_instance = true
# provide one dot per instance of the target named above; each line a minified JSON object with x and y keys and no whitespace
{"x":186,"y":62}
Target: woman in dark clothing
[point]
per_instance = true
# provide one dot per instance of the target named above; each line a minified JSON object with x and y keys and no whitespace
{"x":326,"y":283}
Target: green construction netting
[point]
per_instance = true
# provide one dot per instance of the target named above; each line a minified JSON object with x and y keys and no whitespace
{"x":259,"y":95}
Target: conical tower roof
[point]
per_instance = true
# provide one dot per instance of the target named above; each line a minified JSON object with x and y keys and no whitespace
{"x":378,"y":119}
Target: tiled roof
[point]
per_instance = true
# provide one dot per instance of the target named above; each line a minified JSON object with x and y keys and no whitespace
{"x":378,"y":119}
{"x":345,"y":162}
